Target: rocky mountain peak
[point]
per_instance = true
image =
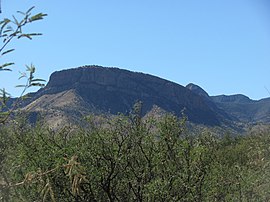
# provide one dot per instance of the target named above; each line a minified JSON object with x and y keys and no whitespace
{"x":198,"y":90}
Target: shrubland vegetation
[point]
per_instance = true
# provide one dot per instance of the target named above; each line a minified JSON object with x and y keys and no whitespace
{"x":128,"y":158}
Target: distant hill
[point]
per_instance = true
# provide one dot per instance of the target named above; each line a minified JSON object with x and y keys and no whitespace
{"x":239,"y":108}
{"x":243,"y":109}
{"x":74,"y":93}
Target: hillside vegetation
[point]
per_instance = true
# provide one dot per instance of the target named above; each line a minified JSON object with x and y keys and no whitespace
{"x":128,"y":158}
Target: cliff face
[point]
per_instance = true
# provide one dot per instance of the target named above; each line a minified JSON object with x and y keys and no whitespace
{"x":115,"y":90}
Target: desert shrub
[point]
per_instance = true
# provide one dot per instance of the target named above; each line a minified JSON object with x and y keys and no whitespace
{"x":132,"y":159}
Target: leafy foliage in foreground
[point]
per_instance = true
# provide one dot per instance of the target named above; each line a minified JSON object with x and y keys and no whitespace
{"x":10,"y":29}
{"x":130,"y":159}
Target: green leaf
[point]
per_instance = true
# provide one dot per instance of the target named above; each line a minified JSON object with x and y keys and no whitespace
{"x":30,"y":68}
{"x":16,"y":21}
{"x":4,"y":23}
{"x":35,"y":34}
{"x":4,"y":96}
{"x":23,"y":75}
{"x":3,"y":67}
{"x":6,"y":69}
{"x":38,"y":80}
{"x":37,"y":84}
{"x":25,"y":35}
{"x":30,"y":35}
{"x":8,"y":51}
{"x":30,"y":9}
{"x":3,"y":91}
{"x":36,"y":17}
{"x":6,"y":31}
{"x":20,"y":86}
{"x":21,"y":12}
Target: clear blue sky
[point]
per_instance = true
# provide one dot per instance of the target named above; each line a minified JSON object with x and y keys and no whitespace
{"x":221,"y":45}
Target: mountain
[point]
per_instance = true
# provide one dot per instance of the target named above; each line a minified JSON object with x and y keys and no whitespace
{"x":80,"y":91}
{"x":243,"y":109}
{"x":75,"y":93}
{"x":237,"y":108}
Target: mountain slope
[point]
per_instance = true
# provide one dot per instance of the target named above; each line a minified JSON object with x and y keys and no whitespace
{"x":74,"y":93}
{"x":222,"y":114}
{"x":113,"y":90}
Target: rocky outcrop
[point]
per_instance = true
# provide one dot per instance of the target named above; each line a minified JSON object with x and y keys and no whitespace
{"x":198,"y":90}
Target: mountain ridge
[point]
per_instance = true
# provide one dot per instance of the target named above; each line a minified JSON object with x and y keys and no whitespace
{"x":115,"y":90}
{"x":97,"y":89}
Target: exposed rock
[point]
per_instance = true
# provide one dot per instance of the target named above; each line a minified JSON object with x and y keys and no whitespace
{"x":198,"y":90}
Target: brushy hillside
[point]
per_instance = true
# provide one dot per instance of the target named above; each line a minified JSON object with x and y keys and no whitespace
{"x":132,"y":159}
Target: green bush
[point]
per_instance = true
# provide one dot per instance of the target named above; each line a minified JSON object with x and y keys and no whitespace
{"x":132,"y":159}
